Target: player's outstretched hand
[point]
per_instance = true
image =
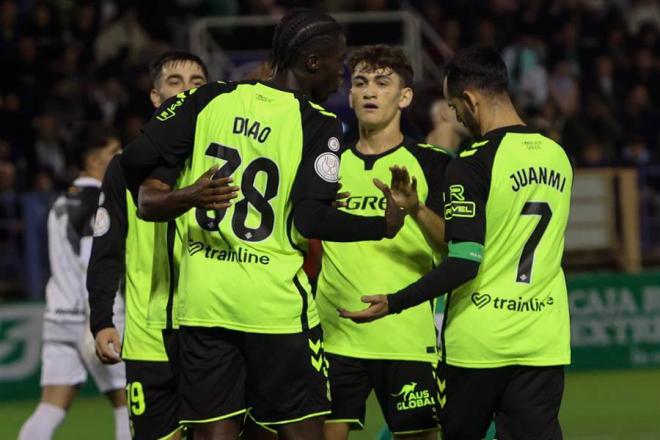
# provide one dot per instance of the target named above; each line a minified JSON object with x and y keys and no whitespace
{"x":394,"y":214}
{"x":404,"y":189}
{"x":340,"y":198}
{"x":108,"y":345}
{"x":378,"y":307}
{"x":209,"y":193}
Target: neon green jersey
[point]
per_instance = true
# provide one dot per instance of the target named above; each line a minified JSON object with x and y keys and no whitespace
{"x":350,"y":270}
{"x":241,"y":268}
{"x":125,"y":252}
{"x":140,"y":341}
{"x":510,"y":193}
{"x":163,"y":299}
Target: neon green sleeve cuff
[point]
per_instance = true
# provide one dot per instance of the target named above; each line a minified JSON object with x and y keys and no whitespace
{"x":467,"y":250}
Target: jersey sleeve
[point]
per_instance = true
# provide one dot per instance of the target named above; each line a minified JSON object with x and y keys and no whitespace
{"x":435,"y":172}
{"x":168,"y":138}
{"x":318,"y":172}
{"x":166,"y":174}
{"x":465,"y":193}
{"x":106,"y":265}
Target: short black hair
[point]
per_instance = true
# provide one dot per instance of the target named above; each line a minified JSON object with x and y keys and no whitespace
{"x":300,"y":31}
{"x":90,"y":138}
{"x":381,"y":56}
{"x":477,"y":67}
{"x":174,"y":56}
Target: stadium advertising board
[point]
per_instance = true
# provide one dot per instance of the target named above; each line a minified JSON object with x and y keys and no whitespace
{"x":615,"y":323}
{"x":20,"y":351}
{"x":615,"y":320}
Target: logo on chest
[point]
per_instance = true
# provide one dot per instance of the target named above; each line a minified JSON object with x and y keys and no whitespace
{"x":366,"y":202}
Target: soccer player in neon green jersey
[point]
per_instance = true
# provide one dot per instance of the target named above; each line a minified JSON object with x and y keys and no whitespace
{"x":127,"y":247}
{"x":249,"y":329}
{"x":396,"y":357}
{"x":506,"y":329}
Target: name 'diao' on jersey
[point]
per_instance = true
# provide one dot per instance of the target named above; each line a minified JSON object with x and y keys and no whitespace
{"x":251,"y":129}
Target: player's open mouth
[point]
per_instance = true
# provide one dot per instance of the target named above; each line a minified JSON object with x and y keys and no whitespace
{"x":370,"y":106}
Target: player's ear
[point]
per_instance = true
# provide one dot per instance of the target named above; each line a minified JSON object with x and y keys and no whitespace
{"x":350,"y":99}
{"x":155,"y":98}
{"x":313,"y":63}
{"x":406,"y":97}
{"x":470,"y":100}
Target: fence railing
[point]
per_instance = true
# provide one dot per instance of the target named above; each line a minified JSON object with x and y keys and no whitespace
{"x":406,"y":27}
{"x":649,"y":209}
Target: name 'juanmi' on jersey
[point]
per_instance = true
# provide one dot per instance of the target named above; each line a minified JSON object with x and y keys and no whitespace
{"x":537,"y":175}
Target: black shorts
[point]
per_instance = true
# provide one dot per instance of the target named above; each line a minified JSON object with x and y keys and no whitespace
{"x":523,"y":401}
{"x":152,"y":399}
{"x":406,"y":391}
{"x":171,"y":342}
{"x":279,"y":378}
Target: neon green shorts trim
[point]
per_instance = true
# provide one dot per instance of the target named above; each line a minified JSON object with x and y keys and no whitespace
{"x":168,"y":436}
{"x":213,"y":419}
{"x":284,"y":422}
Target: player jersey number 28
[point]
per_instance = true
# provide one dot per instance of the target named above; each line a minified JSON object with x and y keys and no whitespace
{"x":252,"y":196}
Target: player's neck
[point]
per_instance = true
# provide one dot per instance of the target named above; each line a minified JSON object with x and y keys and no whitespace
{"x":286,"y":79}
{"x":444,"y":136}
{"x":378,"y":140}
{"x":94,"y":174}
{"x":501,"y":114}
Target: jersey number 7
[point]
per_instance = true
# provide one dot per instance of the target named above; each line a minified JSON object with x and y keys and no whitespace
{"x":260,"y":202}
{"x":527,"y":257}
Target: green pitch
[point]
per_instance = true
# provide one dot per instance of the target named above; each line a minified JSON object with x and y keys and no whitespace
{"x":605,"y":406}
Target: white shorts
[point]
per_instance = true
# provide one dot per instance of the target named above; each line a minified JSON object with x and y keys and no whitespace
{"x":67,"y":363}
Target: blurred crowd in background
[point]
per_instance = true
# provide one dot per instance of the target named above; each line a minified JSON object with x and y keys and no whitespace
{"x":586,"y":72}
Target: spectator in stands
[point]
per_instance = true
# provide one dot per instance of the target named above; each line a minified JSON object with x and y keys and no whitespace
{"x":639,"y":115}
{"x":615,"y":46}
{"x":7,"y":177}
{"x":111,"y":98}
{"x":637,"y":153}
{"x":603,"y":81}
{"x":42,"y":25}
{"x":124,"y":37}
{"x":48,"y":151}
{"x":644,"y":72}
{"x":642,"y":11}
{"x":447,"y":132}
{"x":528,"y":79}
{"x":8,"y":24}
{"x":594,"y":155}
{"x":563,"y":88}
{"x":548,"y":120}
{"x":566,"y":47}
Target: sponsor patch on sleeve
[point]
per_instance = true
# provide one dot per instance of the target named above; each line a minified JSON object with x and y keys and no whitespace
{"x":333,"y":144}
{"x":101,"y":222}
{"x":327,"y":167}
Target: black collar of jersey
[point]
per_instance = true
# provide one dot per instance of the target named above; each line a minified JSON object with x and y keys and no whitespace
{"x":272,"y":85}
{"x":370,"y":159}
{"x":499,"y":132}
